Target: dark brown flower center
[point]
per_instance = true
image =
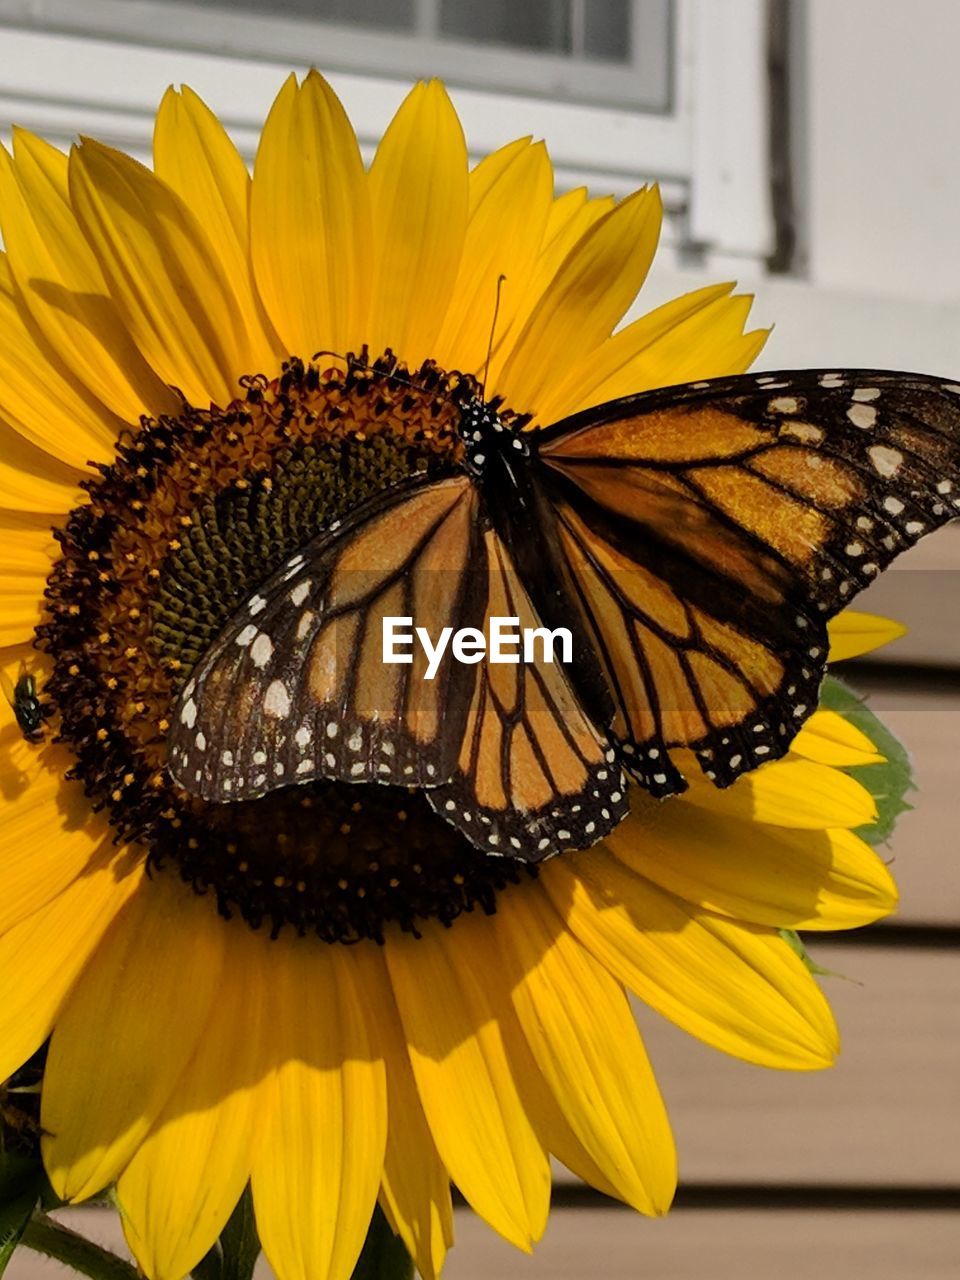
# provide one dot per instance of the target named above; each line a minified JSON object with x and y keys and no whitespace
{"x":193,"y":514}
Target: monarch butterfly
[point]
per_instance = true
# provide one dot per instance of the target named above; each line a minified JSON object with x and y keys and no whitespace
{"x":695,"y":539}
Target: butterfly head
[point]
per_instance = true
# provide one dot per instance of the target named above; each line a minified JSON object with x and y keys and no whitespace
{"x":485,"y":434}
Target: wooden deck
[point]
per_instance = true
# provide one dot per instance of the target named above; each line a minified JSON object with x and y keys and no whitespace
{"x":852,"y":1174}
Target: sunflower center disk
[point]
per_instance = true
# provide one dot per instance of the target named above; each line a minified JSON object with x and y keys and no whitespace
{"x":194,"y":514}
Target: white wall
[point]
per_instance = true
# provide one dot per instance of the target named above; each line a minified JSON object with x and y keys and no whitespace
{"x":884,"y":146}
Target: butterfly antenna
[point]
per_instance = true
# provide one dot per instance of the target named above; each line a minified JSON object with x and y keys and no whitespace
{"x":493,"y":329}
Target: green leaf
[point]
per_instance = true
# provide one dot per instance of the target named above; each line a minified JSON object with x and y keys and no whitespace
{"x":384,"y":1256}
{"x":797,"y":945}
{"x":235,"y":1254}
{"x":888,"y":783}
{"x":239,"y":1241}
{"x":21,"y":1178}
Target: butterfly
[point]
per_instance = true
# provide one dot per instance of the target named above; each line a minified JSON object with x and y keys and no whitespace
{"x":694,"y":539}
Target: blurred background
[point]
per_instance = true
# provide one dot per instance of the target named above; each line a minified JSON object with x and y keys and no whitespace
{"x":811,"y":151}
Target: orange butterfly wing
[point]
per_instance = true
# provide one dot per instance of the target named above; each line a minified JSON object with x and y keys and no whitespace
{"x":708,"y":532}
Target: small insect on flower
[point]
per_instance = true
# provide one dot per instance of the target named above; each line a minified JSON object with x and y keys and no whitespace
{"x":27,"y":707}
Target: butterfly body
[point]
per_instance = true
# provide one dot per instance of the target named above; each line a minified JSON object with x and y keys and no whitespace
{"x":694,"y":540}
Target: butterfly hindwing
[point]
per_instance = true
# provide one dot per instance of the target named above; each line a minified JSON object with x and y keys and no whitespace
{"x":534,"y":776}
{"x":708,"y":532}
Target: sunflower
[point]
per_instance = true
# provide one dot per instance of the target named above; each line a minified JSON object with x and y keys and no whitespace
{"x":327,"y":993}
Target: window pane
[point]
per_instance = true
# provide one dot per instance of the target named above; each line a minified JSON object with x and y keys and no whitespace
{"x":533,"y":24}
{"x":606,"y":29}
{"x":382,"y":15}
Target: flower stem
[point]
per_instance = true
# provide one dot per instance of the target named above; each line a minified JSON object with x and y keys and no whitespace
{"x":44,"y":1235}
{"x":384,"y":1256}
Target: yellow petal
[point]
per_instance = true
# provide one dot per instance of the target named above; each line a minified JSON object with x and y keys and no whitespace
{"x":41,"y":957}
{"x":463,"y":1074}
{"x":767,"y":875}
{"x":40,"y":402}
{"x":415,"y":1192}
{"x":182,"y":1184}
{"x":586,"y":1044}
{"x":195,"y":156}
{"x":787,"y":793}
{"x":63,"y":287}
{"x":318,"y":1166}
{"x":853,"y":634}
{"x":510,"y":198}
{"x":419,"y":198}
{"x":738,"y":987}
{"x":27,"y":553}
{"x":48,"y":834}
{"x":163,"y":275}
{"x":113,"y":1061}
{"x":688,"y":338}
{"x":35,"y":481}
{"x":569,"y":219}
{"x":589,"y":294}
{"x":310,"y":221}
{"x":828,"y":738}
{"x":711,"y":343}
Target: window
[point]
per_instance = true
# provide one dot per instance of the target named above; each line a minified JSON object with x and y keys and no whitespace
{"x":623,"y":91}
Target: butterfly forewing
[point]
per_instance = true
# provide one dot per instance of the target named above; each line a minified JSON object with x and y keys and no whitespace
{"x":296,"y":687}
{"x":707,"y":533}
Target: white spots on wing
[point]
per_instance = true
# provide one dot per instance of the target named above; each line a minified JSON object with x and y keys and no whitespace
{"x":276,"y":701}
{"x":188,"y":713}
{"x":735,"y":761}
{"x":303,"y":736}
{"x":952,"y":386}
{"x":200,"y":741}
{"x":784,"y":404}
{"x":259,"y":757}
{"x":831,"y":380}
{"x":863,"y":416}
{"x":387,"y":747}
{"x":330,"y":760}
{"x":450,"y":806}
{"x":761,"y":751}
{"x":914,"y":527}
{"x":886,"y":461}
{"x":293,"y":567}
{"x":864,"y":395}
{"x":870,"y":568}
{"x":227,"y":784}
{"x":279,"y":768}
{"x":332,"y":729}
{"x":854,"y":548}
{"x":893,"y":505}
{"x":300,"y":592}
{"x":261,"y":650}
{"x":864,"y":523}
{"x":805,"y":432}
{"x":355,"y":741}
{"x":305,"y":766}
{"x":246,"y":635}
{"x":227,"y":757}
{"x":257,"y":605}
{"x":659,"y":778}
{"x":945,"y":486}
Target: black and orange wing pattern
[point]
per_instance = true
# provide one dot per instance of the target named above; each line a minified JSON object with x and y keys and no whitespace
{"x":708,"y":532}
{"x":295,"y":687}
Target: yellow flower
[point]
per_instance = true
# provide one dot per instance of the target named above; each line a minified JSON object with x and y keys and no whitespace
{"x":198,"y":1041}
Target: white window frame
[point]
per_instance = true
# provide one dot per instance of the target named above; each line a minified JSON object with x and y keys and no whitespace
{"x":709,"y":153}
